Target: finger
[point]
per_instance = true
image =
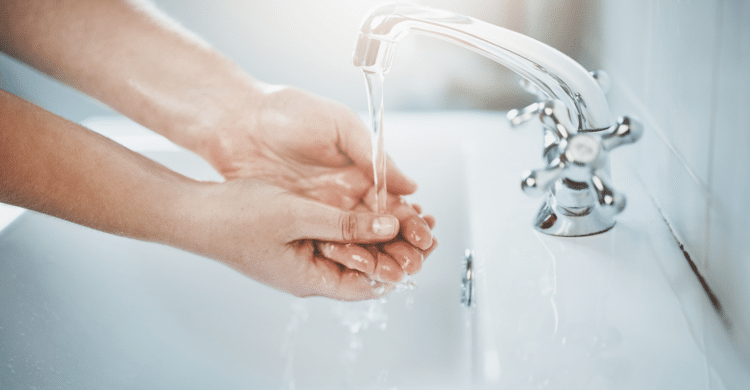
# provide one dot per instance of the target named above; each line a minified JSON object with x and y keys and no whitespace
{"x":413,"y":228}
{"x":430,"y":249}
{"x":408,"y":257}
{"x":355,"y":142}
{"x":387,"y":269}
{"x":349,"y":255}
{"x":345,"y":284}
{"x":430,"y":221}
{"x":313,"y":220}
{"x":417,"y":208}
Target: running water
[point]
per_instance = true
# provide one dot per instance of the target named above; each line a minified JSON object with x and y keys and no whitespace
{"x":299,"y":316}
{"x":374,"y":83}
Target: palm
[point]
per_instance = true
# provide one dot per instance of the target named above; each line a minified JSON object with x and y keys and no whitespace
{"x":297,"y":144}
{"x":321,"y":150}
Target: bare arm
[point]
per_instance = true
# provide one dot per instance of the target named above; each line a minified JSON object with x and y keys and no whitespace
{"x":141,"y":63}
{"x":131,"y":57}
{"x":54,"y":166}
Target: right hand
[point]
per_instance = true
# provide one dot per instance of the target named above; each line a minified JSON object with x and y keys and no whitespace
{"x":270,"y":235}
{"x":319,"y":149}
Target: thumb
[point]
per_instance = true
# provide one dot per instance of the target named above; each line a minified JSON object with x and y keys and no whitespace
{"x":319,"y":221}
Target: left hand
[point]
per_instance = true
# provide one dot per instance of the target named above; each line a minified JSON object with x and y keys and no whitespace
{"x":301,"y":142}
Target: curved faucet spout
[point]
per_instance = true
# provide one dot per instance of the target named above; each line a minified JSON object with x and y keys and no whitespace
{"x":556,"y":74}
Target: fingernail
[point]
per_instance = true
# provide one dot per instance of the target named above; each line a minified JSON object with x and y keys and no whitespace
{"x":418,"y":233}
{"x":384,"y":226}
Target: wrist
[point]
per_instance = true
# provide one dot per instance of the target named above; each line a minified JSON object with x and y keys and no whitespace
{"x":189,"y":215}
{"x":227,"y":125}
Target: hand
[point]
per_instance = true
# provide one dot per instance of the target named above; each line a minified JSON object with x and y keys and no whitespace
{"x":387,"y":262}
{"x":269,"y":234}
{"x":301,"y":142}
{"x":321,"y":150}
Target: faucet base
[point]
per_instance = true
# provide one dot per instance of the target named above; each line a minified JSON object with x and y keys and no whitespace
{"x":557,"y":220}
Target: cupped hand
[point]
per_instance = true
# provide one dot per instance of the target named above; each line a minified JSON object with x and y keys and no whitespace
{"x":321,"y":150}
{"x":390,"y":261}
{"x":301,"y":142}
{"x":270,"y":235}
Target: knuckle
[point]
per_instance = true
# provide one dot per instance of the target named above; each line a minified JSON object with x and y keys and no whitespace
{"x":348,"y":225}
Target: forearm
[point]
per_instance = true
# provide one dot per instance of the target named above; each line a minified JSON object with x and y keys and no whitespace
{"x":129,"y":56}
{"x":54,"y":166}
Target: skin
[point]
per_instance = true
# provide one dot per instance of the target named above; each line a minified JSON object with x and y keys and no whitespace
{"x":293,"y":213}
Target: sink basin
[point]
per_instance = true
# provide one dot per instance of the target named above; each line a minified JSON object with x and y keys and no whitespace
{"x":619,"y":310}
{"x":85,"y":309}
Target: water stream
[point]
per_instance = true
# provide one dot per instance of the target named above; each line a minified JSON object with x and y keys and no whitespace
{"x":356,"y":316}
{"x":374,"y":83}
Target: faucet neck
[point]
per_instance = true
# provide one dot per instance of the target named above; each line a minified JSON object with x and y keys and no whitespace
{"x":553,"y":72}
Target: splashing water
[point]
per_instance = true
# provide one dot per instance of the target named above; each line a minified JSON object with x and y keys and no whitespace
{"x":299,"y":316}
{"x":407,"y":283}
{"x":551,"y":289}
{"x":374,"y":83}
{"x":357,"y":317}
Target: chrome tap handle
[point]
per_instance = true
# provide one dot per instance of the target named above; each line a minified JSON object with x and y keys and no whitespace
{"x":625,"y":131}
{"x":577,"y":176}
{"x":611,"y":201}
{"x":581,"y":158}
{"x":519,"y":117}
{"x":536,"y":183}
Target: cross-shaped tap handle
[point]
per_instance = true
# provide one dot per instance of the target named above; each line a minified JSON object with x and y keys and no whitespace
{"x":580,"y":159}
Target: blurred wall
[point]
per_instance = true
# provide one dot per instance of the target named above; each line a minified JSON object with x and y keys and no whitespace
{"x":683,"y":68}
{"x":308,"y":44}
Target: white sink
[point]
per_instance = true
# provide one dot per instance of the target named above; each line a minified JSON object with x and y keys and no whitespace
{"x":620,"y":310}
{"x":84,"y":309}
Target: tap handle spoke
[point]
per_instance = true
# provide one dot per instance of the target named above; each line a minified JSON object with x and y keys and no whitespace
{"x":611,"y":201}
{"x":537,"y":182}
{"x":519,"y":117}
{"x":625,"y":131}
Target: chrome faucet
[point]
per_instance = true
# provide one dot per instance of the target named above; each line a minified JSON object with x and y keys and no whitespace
{"x":578,"y":129}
